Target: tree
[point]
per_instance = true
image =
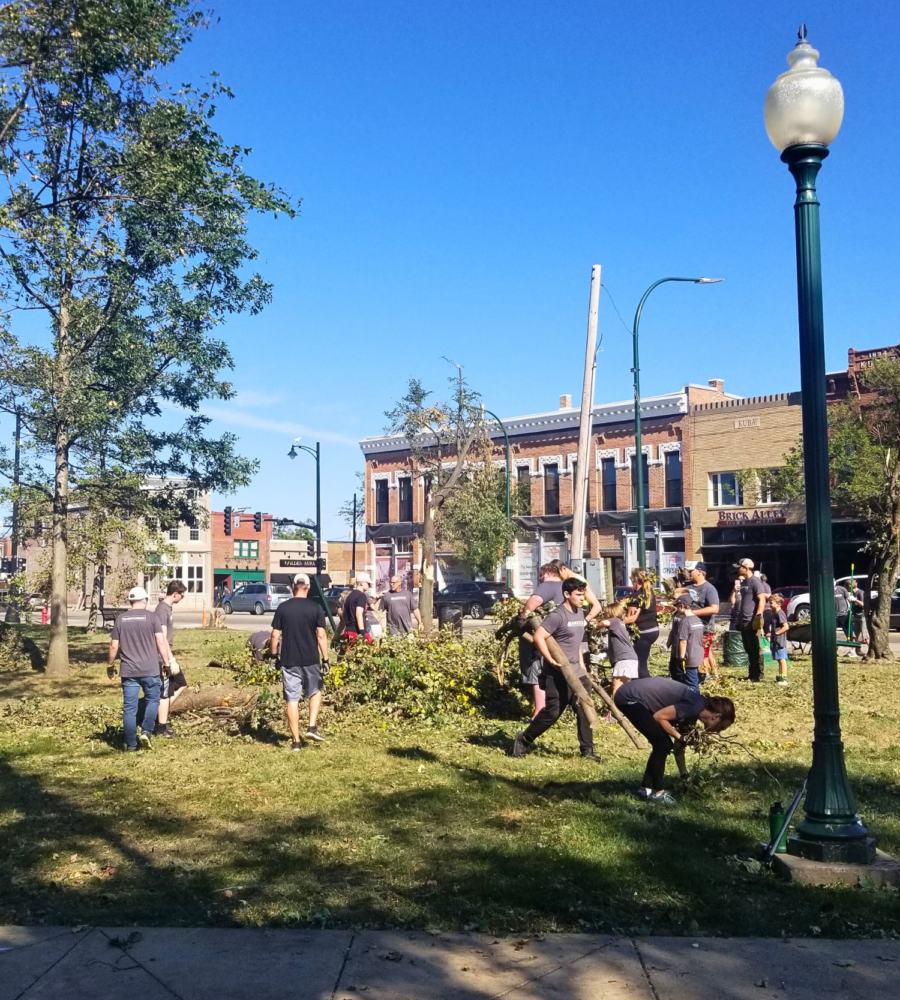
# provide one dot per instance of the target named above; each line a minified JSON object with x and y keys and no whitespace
{"x":286,"y":534}
{"x":125,"y":227}
{"x":474,"y":519}
{"x":440,"y":438}
{"x":864,"y":455}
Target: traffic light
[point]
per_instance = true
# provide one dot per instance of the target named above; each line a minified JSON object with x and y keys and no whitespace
{"x":257,"y":522}
{"x":228,"y":520}
{"x":310,"y":547}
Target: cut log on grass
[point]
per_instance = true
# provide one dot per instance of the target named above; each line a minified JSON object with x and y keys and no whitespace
{"x":616,"y":714}
{"x":216,"y":696}
{"x":575,"y":685}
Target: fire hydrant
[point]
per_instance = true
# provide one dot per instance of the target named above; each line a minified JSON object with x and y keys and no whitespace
{"x":45,"y":615}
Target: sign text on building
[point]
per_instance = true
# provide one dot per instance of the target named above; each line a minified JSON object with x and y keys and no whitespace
{"x":752,"y":517}
{"x":297,"y":563}
{"x":746,"y":422}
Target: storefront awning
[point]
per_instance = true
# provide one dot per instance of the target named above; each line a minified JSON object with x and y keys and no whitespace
{"x":548,"y":522}
{"x":668,"y":518}
{"x":397,"y":529}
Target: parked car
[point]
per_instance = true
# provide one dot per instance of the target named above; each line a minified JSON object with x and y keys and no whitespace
{"x":477,"y":599}
{"x":789,"y":593}
{"x":334,"y":597}
{"x":257,"y":598}
{"x":798,"y":609}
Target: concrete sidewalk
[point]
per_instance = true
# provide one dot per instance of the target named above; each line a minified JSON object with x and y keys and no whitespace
{"x":210,"y":964}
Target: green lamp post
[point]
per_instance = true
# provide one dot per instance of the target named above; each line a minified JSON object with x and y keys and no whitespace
{"x":638,"y":447}
{"x":508,"y":474}
{"x":803,"y":112}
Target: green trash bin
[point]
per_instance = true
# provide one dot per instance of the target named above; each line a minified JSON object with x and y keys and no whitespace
{"x":733,"y":648}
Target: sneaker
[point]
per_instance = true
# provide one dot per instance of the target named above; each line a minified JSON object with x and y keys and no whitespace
{"x":643,"y":794}
{"x":608,"y":718}
{"x":312,"y":733}
{"x":781,"y":680}
{"x":661,"y":798}
{"x":521,"y":746}
{"x":590,"y":755}
{"x":145,"y":742}
{"x":165,"y":730}
{"x":296,"y":746}
{"x":131,"y":749}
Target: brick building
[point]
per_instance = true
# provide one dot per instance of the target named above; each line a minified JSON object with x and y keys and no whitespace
{"x":543,"y":455}
{"x":244,"y":554}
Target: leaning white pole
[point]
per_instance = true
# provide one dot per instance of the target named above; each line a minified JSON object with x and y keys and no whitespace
{"x":584,"y":433}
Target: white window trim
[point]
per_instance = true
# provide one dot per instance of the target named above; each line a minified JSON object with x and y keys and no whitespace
{"x":712,"y":492}
{"x":646,"y":449}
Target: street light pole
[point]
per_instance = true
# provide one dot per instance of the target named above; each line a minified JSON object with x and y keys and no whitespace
{"x":508,"y":504}
{"x":316,"y":454}
{"x":803,"y":112}
{"x":638,"y":446}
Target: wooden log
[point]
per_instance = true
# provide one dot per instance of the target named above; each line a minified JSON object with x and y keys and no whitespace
{"x":616,"y":714}
{"x":215,"y":696}
{"x":574,"y":682}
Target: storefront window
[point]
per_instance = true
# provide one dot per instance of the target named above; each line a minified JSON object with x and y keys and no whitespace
{"x":673,"y":479}
{"x":725,"y":490}
{"x":551,"y":489}
{"x":608,"y":474}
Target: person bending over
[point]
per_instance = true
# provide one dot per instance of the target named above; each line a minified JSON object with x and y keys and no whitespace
{"x":656,"y":707}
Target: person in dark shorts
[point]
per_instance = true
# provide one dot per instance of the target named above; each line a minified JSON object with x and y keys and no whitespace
{"x":642,"y":614}
{"x":173,"y":681}
{"x":354,"y":608}
{"x":298,"y":635}
{"x":401,"y":608}
{"x":566,"y":625}
{"x":549,"y":590}
{"x":138,"y":640}
{"x":656,"y":706}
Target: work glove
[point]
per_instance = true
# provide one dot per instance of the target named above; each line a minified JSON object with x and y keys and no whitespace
{"x":369,"y":640}
{"x":757,"y":622}
{"x":174,"y":669}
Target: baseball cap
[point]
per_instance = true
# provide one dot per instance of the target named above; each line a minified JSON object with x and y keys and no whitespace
{"x":301,"y":580}
{"x":699,"y":566}
{"x":746,"y":564}
{"x":137,"y":594}
{"x":684,"y":599}
{"x":363,"y":577}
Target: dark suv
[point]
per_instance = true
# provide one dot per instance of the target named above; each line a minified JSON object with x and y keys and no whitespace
{"x":477,"y":599}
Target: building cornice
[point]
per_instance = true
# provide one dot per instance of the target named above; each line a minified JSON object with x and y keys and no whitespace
{"x":673,"y":404}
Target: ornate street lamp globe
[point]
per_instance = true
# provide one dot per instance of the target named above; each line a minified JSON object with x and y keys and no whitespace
{"x":805,"y":104}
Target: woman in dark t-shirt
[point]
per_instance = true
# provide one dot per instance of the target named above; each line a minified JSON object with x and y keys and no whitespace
{"x":642,"y":613}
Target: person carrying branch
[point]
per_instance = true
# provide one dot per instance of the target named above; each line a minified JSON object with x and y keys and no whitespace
{"x":657,"y":707}
{"x":566,"y":625}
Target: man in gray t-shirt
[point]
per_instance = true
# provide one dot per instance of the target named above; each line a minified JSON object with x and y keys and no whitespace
{"x":401,"y":607}
{"x":705,"y":603}
{"x":173,"y":680}
{"x":566,"y":625}
{"x":139,"y":642}
{"x":751,"y":602}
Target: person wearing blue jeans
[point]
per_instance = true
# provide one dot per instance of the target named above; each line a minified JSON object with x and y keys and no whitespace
{"x":138,"y":640}
{"x":686,"y":641}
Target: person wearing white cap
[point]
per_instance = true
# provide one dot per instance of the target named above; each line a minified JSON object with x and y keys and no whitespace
{"x":354,"y":608}
{"x":751,"y":602}
{"x":138,"y":639}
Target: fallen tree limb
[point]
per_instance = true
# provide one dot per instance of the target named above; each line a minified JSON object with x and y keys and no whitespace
{"x":616,"y":714}
{"x":216,"y":696}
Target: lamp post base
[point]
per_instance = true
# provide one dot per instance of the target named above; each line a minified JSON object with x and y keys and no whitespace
{"x":849,"y":852}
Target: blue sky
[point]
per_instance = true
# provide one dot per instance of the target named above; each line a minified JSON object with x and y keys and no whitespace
{"x":463,"y":163}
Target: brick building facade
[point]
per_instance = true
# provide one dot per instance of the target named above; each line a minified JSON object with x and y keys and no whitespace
{"x":244,"y":554}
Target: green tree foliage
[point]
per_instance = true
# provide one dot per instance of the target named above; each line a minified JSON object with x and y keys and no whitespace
{"x":440,"y":437}
{"x":474,"y":519}
{"x":124,"y":227}
{"x":864,"y":454}
{"x":288,"y":534}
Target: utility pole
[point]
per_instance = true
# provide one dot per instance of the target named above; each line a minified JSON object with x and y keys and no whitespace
{"x":587,"y":419}
{"x":353,"y":552}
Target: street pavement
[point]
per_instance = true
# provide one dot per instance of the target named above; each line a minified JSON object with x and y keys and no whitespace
{"x":40,"y":963}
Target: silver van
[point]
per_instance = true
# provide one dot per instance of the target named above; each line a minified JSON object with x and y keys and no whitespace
{"x":257,"y":598}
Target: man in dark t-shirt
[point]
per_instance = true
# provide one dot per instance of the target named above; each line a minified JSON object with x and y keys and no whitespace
{"x":298,"y":634}
{"x":354,"y":608}
{"x":138,"y":640}
{"x":751,"y":602}
{"x":258,"y":643}
{"x":173,"y":680}
{"x":566,"y":625}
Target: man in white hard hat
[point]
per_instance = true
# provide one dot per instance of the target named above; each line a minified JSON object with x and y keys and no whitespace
{"x":139,"y":640}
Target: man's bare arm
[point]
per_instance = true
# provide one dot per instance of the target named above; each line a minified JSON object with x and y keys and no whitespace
{"x":540,"y":640}
{"x":163,"y":646}
{"x":274,"y":641}
{"x":360,"y":620}
{"x":322,"y":639}
{"x":712,"y":609}
{"x":113,"y":653}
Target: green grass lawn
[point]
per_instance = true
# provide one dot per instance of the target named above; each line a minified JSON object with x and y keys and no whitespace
{"x":394,"y":824}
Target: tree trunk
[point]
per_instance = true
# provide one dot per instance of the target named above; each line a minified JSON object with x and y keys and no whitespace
{"x":885,"y":565}
{"x":217,"y":696}
{"x":94,"y":613}
{"x":58,"y":652}
{"x":426,"y":583}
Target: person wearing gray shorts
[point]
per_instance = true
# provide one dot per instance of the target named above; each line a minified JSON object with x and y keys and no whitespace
{"x":298,"y":634}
